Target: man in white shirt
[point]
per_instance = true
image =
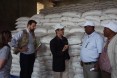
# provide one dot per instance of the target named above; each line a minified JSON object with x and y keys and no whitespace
{"x":92,"y":44}
{"x":24,"y":42}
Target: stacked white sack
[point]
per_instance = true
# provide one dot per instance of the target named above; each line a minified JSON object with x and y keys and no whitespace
{"x":36,"y":69}
{"x":21,"y":23}
{"x":15,"y":68}
{"x":74,"y":33}
{"x":51,"y":19}
{"x":92,"y":15}
{"x":41,"y":31}
{"x":38,"y":18}
{"x":70,"y":19}
{"x":109,"y":15}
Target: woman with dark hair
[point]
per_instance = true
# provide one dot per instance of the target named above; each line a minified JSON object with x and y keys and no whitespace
{"x":5,"y":54}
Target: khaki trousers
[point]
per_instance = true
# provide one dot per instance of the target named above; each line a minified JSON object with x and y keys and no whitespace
{"x":89,"y":74}
{"x":64,"y":74}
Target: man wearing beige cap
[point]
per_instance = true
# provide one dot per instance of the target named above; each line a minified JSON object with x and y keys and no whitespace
{"x":110,"y":31}
{"x":92,"y":44}
{"x":59,"y":48}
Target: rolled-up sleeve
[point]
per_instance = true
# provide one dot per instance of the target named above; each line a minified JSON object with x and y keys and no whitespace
{"x":16,"y":38}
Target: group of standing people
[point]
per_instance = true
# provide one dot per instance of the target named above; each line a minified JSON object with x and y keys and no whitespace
{"x":24,"y":42}
{"x":97,"y":55}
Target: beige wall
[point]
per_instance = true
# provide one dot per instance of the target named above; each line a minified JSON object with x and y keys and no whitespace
{"x":66,"y":2}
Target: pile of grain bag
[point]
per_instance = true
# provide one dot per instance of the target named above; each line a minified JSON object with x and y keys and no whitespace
{"x":73,"y":21}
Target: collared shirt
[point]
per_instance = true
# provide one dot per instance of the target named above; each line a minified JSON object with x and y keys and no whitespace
{"x":92,"y":45}
{"x":104,"y":61}
{"x":30,"y":45}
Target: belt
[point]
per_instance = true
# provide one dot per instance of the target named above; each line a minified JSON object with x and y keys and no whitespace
{"x":88,"y":63}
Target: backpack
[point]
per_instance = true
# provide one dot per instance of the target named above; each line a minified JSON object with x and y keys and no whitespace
{"x":22,"y":42}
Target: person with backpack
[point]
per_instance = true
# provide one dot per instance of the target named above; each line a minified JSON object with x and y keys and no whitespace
{"x":5,"y":54}
{"x":25,"y":43}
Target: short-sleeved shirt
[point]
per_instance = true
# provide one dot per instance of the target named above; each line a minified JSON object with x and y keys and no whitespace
{"x":92,"y":45}
{"x":5,"y":54}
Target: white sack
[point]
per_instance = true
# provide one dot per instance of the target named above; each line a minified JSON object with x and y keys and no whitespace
{"x":53,"y":16}
{"x":76,"y":29}
{"x":71,"y":14}
{"x":47,"y":39}
{"x":37,"y":16}
{"x":110,"y":11}
{"x":108,"y":17}
{"x":92,"y":13}
{"x":23,"y":19}
{"x":75,"y":38}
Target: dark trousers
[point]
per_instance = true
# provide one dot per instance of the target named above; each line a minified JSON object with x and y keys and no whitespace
{"x":26,"y":65}
{"x":105,"y":74}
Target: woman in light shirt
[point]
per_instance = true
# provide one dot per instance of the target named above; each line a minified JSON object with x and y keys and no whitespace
{"x":5,"y":54}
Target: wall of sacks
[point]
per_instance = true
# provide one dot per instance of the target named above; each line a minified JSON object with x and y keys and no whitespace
{"x":99,"y":5}
{"x":73,"y":20}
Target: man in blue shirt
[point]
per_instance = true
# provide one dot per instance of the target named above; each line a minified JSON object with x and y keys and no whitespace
{"x":92,"y":44}
{"x":27,"y":50}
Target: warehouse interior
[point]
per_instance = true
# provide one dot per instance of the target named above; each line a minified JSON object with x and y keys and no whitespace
{"x":10,"y":10}
{"x":47,"y":13}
